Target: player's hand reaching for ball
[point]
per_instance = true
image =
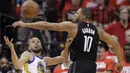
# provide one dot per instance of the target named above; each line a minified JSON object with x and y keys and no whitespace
{"x":9,"y":43}
{"x":18,"y":24}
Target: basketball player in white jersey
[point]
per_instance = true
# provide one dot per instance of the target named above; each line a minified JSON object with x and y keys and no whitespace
{"x":31,"y":61}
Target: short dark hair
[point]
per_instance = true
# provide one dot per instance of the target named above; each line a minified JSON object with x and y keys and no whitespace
{"x":87,"y":13}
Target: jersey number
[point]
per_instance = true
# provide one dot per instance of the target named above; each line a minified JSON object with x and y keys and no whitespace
{"x":87,"y":43}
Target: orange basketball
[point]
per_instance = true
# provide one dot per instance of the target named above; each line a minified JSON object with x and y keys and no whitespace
{"x":30,"y":9}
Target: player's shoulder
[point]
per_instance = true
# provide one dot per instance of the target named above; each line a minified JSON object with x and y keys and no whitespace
{"x":26,"y":53}
{"x":67,"y":22}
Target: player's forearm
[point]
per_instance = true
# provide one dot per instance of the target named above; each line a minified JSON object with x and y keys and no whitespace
{"x":37,"y":25}
{"x":118,"y":53}
{"x":59,"y":59}
{"x":55,"y":60}
{"x":15,"y":59}
{"x":65,"y":52}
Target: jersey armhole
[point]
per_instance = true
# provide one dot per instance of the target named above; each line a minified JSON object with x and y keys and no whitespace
{"x":31,"y":60}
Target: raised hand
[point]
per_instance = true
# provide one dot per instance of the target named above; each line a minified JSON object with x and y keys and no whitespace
{"x":9,"y":43}
{"x":18,"y":24}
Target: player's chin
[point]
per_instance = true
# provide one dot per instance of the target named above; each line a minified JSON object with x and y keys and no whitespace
{"x":36,"y":50}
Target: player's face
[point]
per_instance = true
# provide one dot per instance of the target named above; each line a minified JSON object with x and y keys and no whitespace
{"x":35,"y":45}
{"x":127,"y":51}
{"x":77,"y":15}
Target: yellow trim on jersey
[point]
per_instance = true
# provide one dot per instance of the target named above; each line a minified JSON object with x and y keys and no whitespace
{"x":26,"y":68}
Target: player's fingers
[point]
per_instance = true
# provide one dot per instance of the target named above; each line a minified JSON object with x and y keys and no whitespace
{"x":11,"y":40}
{"x":8,"y":40}
{"x":5,"y":39}
{"x":15,"y":24}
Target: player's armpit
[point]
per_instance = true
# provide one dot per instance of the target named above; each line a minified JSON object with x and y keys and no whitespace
{"x":24,"y":58}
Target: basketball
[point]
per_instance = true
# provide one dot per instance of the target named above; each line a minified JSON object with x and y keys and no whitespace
{"x":30,"y":9}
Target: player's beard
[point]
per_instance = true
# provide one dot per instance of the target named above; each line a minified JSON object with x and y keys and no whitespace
{"x":37,"y":51}
{"x":4,"y":69}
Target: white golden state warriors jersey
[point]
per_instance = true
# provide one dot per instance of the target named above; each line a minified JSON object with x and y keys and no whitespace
{"x":37,"y":65}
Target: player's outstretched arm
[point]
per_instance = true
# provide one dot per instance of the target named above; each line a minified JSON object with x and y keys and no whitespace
{"x":63,"y":57}
{"x":116,"y":46}
{"x":18,"y":63}
{"x":43,"y":25}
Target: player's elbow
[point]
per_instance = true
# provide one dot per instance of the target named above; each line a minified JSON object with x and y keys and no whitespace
{"x":17,"y":66}
{"x":116,"y":45}
{"x":63,"y":59}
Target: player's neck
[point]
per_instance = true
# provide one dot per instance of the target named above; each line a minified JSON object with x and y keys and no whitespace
{"x":37,"y":54}
{"x":86,"y":20}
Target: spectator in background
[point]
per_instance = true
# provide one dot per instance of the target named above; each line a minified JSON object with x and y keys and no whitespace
{"x":90,"y":4}
{"x":118,"y":29}
{"x":70,"y":8}
{"x":6,"y":6}
{"x":63,"y":68}
{"x":126,"y":67}
{"x":125,"y":3}
{"x":103,"y":64}
{"x":5,"y":52}
{"x":127,"y":36}
{"x":4,"y":66}
{"x":112,"y":3}
{"x":102,"y":15}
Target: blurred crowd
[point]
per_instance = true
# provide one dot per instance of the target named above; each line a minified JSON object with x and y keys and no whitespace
{"x":111,"y":15}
